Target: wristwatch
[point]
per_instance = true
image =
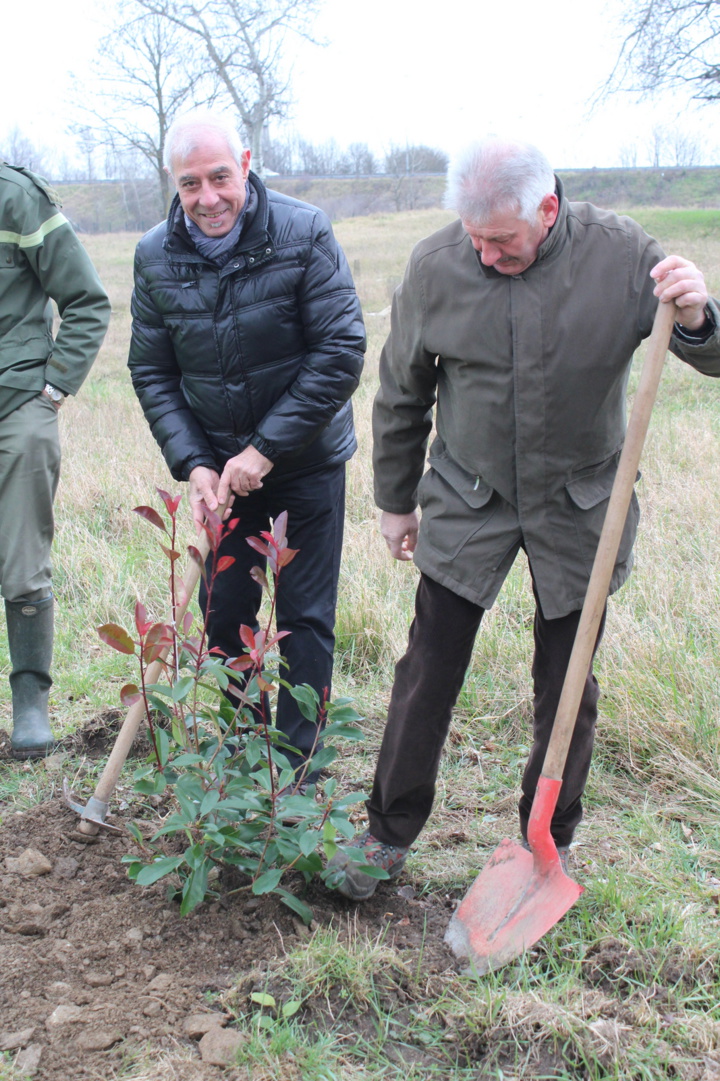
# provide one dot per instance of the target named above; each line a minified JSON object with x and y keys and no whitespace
{"x":54,"y":393}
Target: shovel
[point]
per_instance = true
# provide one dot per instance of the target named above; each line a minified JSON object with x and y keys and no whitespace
{"x":93,"y":814}
{"x":521,"y":894}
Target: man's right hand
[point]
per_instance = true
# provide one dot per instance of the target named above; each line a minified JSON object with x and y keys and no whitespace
{"x":203,"y":484}
{"x":400,"y":532}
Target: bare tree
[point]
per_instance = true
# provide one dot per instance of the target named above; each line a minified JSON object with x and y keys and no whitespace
{"x":628,"y":155}
{"x":146,"y":71}
{"x":669,"y":43}
{"x":411,"y":160}
{"x":244,"y":43}
{"x":17,"y":149}
{"x":360,"y":159}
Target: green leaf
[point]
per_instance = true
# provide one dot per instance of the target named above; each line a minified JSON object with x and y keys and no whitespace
{"x":162,"y":741}
{"x":322,"y":759}
{"x":307,"y":700}
{"x":374,"y":872}
{"x":151,"y":872}
{"x":265,"y":1021}
{"x":194,"y":889}
{"x":267,"y":882}
{"x":187,"y":759}
{"x":181,"y":688}
{"x":328,"y":830}
{"x":261,"y":999}
{"x":300,"y":907}
{"x":210,"y":801}
{"x":330,"y":786}
{"x":134,"y":831}
{"x":308,"y":842}
{"x":154,"y":787}
{"x":341,"y":730}
{"x":291,"y":1008}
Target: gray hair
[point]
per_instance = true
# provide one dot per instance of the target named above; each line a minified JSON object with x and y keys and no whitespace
{"x":492,"y":176}
{"x":182,"y":135}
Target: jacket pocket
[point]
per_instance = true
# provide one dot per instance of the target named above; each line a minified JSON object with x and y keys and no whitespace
{"x":589,"y":495}
{"x":455,"y":507}
{"x":473,"y":490}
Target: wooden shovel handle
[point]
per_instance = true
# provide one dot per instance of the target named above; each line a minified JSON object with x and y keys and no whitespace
{"x":599,"y":584}
{"x":136,"y":713}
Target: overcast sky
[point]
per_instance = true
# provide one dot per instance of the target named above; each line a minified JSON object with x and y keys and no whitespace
{"x":394,"y":71}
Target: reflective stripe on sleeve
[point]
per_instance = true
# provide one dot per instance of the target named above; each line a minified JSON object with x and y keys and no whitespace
{"x":33,"y":239}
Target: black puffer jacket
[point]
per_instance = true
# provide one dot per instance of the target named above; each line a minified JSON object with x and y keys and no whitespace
{"x":265,"y":350}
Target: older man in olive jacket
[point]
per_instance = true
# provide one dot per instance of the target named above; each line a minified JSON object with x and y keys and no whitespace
{"x":518,"y":323}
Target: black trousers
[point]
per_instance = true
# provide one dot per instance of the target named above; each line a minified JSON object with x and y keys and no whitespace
{"x":428,"y":680}
{"x":307,"y":590}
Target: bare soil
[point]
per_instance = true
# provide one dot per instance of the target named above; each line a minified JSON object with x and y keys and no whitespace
{"x":98,"y":973}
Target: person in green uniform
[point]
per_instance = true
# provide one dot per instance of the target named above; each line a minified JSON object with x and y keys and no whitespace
{"x":41,"y":259}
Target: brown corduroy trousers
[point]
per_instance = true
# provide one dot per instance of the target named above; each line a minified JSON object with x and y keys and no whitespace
{"x":428,"y":680}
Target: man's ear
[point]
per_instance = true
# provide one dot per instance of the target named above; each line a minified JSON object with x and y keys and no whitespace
{"x":549,"y":208}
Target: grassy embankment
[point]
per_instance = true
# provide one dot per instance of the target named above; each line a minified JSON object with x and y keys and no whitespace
{"x":649,"y":851}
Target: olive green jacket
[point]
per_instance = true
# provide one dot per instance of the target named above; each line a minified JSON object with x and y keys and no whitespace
{"x":529,"y":375}
{"x":41,"y":257}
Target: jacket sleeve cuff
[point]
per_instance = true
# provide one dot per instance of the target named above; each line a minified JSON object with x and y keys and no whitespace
{"x":699,"y":336}
{"x":266,"y":449}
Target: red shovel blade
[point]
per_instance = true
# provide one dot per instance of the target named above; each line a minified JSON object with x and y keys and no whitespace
{"x":517,"y":897}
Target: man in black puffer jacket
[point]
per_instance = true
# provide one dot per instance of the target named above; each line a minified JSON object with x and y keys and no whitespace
{"x":247,"y":344}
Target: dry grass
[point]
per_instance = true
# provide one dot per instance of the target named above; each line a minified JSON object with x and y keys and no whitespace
{"x":650,"y":845}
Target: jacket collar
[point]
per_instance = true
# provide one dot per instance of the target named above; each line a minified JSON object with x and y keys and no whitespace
{"x":551,"y":246}
{"x":254,"y":244}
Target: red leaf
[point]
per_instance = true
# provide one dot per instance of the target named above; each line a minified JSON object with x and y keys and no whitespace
{"x":158,"y":641}
{"x":276,"y":638}
{"x":151,"y":516}
{"x":172,"y":502}
{"x":259,"y":576}
{"x":142,"y":622}
{"x":287,"y":555}
{"x":257,"y":544}
{"x":114,"y":635}
{"x":247,"y":636}
{"x":280,"y":529}
{"x":213,"y":527}
{"x":230,"y":526}
{"x":239,"y":664}
{"x":263,"y":684}
{"x":196,"y":558}
{"x":170,"y":553}
{"x":224,"y":562}
{"x":130,"y":693}
{"x":187,"y":622}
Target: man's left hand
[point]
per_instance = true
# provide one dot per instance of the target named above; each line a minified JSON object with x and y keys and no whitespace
{"x":680,"y":280}
{"x":243,"y":474}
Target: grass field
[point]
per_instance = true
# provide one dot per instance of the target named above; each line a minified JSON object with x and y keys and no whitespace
{"x":649,"y":850}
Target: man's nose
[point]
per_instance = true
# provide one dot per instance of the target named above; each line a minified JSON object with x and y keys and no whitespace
{"x":489,"y":253}
{"x":208,"y":195}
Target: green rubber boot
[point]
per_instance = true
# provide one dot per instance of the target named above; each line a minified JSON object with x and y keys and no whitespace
{"x":30,"y":638}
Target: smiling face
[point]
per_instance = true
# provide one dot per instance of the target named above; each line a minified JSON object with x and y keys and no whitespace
{"x":509,"y":243}
{"x":211,"y":184}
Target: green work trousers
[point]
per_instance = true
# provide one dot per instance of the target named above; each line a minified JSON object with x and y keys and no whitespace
{"x":29,"y":473}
